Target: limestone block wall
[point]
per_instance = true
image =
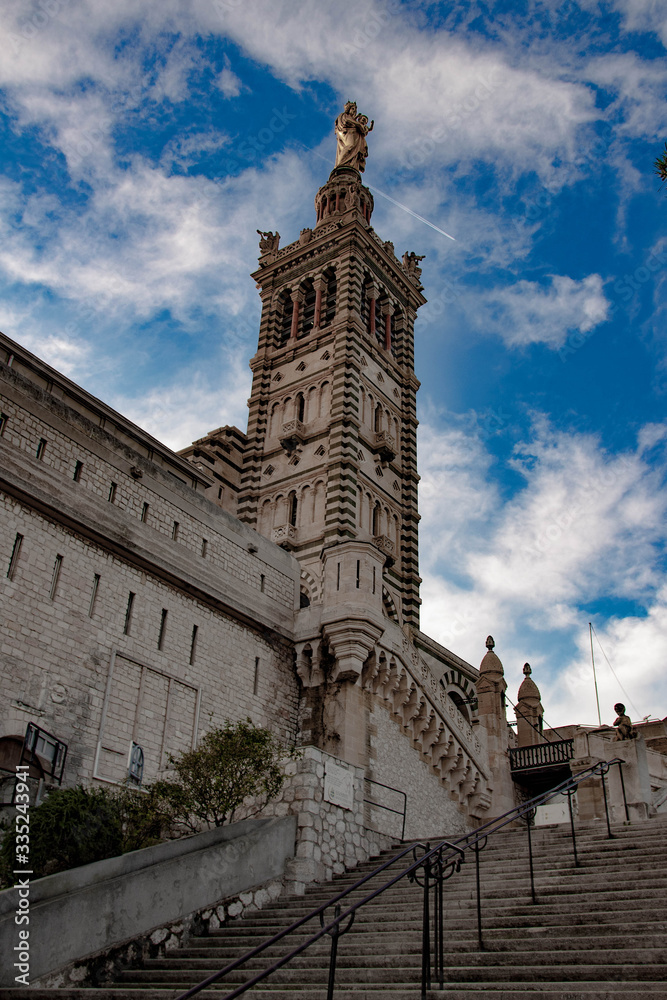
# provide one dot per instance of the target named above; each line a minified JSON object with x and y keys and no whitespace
{"x":121,"y":627}
{"x":31,"y":417}
{"x":330,"y":837}
{"x":432,"y":810}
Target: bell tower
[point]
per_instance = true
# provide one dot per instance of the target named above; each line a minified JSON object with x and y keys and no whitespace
{"x":331,"y":453}
{"x":330,"y":467}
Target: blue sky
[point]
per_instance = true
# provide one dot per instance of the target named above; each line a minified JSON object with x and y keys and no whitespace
{"x":143,"y":146}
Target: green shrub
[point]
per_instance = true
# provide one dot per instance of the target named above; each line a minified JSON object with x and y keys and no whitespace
{"x":235,"y":764}
{"x":71,"y":827}
{"x":232,"y":764}
{"x":75,"y":826}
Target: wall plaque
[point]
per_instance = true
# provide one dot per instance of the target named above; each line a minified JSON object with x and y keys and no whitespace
{"x":338,"y":786}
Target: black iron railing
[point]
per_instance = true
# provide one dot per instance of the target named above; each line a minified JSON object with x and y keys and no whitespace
{"x":378,"y":805}
{"x":541,"y":755}
{"x":430,"y":867}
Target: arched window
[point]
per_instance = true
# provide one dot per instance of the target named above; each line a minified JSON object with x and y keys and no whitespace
{"x":377,"y":517}
{"x":293,"y":509}
{"x":284,"y":317}
{"x":329,"y":298}
{"x":460,"y":704}
{"x":308,"y":308}
{"x":300,"y":407}
{"x":377,"y":420}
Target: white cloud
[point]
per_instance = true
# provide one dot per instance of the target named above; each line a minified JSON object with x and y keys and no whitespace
{"x":585,"y":526}
{"x":228,"y":82}
{"x":643,"y":15}
{"x":532,"y":313}
{"x":179,"y":413}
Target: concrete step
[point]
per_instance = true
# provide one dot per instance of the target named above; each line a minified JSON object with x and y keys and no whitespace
{"x":491,"y":973}
{"x":597,"y":932}
{"x":411,"y":958}
{"x":477,"y":991}
{"x":410,"y":941}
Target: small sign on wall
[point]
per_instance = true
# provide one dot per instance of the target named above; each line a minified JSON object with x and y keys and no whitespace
{"x":338,"y":786}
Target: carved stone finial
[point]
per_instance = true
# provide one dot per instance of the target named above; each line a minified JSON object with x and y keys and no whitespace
{"x":351,"y":130}
{"x":526,"y":669}
{"x":491,"y":663}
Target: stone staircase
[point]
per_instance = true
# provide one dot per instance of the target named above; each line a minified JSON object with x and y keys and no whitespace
{"x":597,"y":931}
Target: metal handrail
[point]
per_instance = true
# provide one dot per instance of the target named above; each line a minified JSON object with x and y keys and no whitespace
{"x":398,"y":812}
{"x":439,"y":863}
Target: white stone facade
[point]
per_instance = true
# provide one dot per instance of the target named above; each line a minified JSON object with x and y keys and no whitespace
{"x":188,"y":655}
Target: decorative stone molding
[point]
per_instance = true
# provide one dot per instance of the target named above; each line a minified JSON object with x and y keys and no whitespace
{"x":386,"y":546}
{"x":350,"y":642}
{"x":384,"y":445}
{"x":404,"y":681}
{"x":308,"y":663}
{"x":285,"y":535}
{"x":292,"y":434}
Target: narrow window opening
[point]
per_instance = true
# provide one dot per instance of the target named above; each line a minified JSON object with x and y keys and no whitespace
{"x":300,"y":407}
{"x":13,"y":562}
{"x":163,"y":629}
{"x":55,"y":576}
{"x":128,"y":614}
{"x":144,"y":513}
{"x":193,"y":643}
{"x":93,"y":595}
{"x":174,"y":531}
{"x":77,"y":472}
{"x":3,"y":423}
{"x":293,"y":508}
{"x":338,"y":578}
{"x":219,"y":492}
{"x":112,"y":492}
{"x":255,"y":685}
{"x":358,"y":572}
{"x":373,"y":579}
{"x":204,"y":547}
{"x":308,"y":316}
{"x":41,"y":448}
{"x":262,"y":581}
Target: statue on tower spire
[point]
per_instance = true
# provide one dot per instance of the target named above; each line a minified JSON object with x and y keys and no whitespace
{"x":351,"y":130}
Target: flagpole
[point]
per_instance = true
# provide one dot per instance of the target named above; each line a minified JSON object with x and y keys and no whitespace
{"x":597,"y":699}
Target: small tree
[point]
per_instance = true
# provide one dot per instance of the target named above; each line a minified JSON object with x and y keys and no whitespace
{"x":660,"y":164}
{"x":232,"y":763}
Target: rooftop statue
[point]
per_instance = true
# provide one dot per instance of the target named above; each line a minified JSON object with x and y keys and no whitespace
{"x":351,"y":130}
{"x":624,"y":728}
{"x":268,"y":242}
